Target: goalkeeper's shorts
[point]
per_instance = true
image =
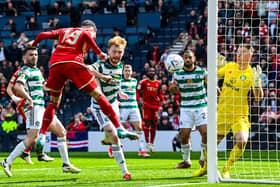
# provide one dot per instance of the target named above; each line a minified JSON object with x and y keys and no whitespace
{"x":236,"y":124}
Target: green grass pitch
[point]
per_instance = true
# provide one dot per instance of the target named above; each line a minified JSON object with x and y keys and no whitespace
{"x":99,"y":170}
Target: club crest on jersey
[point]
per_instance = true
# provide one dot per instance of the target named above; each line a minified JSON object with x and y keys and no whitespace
{"x":189,"y":81}
{"x":243,"y":77}
{"x":22,"y":76}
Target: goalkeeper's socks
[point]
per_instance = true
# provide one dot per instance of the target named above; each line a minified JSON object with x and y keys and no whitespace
{"x":141,"y":141}
{"x":48,"y":117}
{"x":18,"y":150}
{"x":119,"y":157}
{"x":107,"y":109}
{"x":186,"y":152}
{"x":62,"y":148}
{"x":235,"y":154}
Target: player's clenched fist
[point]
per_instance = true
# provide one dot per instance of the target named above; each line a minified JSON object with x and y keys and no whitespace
{"x":103,"y":56}
{"x":221,"y":60}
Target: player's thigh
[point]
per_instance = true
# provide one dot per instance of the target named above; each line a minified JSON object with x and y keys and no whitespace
{"x":124,"y":113}
{"x":34,"y":117}
{"x":155,"y":114}
{"x":241,"y":124}
{"x":186,"y":119}
{"x":224,"y":124}
{"x":134,"y":115}
{"x":80,"y":76}
{"x":201,"y":116}
{"x":147,"y":113}
{"x":57,"y":78}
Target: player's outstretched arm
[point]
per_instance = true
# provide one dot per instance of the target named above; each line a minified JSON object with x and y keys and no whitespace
{"x":92,"y":70}
{"x":257,"y":83}
{"x":11,"y":94}
{"x":45,"y":35}
{"x":96,"y":49}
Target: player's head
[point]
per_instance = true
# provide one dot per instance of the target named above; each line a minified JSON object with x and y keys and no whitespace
{"x":116,"y":47}
{"x":89,"y":25}
{"x":189,"y":58}
{"x":127,"y":71}
{"x":30,"y":56}
{"x":244,"y":53}
{"x":151,"y":73}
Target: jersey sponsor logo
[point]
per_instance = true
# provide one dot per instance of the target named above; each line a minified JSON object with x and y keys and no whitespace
{"x":22,"y":76}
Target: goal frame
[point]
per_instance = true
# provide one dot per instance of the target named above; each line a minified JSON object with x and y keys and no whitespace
{"x":212,"y":150}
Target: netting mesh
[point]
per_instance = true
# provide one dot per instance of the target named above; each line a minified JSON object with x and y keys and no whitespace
{"x":253,"y":22}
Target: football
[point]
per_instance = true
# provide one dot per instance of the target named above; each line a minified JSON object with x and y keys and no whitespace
{"x":174,"y":62}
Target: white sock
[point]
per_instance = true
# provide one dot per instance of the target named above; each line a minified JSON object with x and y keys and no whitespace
{"x":119,"y":157}
{"x":186,"y":150}
{"x":18,"y":150}
{"x":203,"y":148}
{"x":43,"y":137}
{"x":141,"y":141}
{"x":63,"y":151}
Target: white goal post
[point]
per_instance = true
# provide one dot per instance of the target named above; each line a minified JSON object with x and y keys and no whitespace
{"x":260,"y":163}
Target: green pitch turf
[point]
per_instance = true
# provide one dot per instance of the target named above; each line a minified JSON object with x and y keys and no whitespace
{"x":99,"y":170}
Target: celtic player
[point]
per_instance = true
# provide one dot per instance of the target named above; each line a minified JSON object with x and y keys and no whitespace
{"x":233,"y":109}
{"x":193,"y":108}
{"x":129,"y":111}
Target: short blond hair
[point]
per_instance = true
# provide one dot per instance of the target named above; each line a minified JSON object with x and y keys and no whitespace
{"x":118,"y":41}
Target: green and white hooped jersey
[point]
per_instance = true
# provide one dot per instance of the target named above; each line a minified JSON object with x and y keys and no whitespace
{"x":129,"y":87}
{"x":111,"y":89}
{"x":32,"y":79}
{"x":192,"y":89}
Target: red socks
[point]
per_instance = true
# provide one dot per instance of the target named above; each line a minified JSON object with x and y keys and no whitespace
{"x":153,"y":134}
{"x":48,"y":117}
{"x":107,"y":109}
{"x":146,"y":132}
{"x":28,"y":150}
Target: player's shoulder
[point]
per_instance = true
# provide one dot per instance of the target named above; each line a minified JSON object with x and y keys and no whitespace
{"x":143,"y":81}
{"x":231,"y":64}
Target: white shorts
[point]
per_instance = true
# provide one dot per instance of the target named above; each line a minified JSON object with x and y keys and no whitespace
{"x":193,"y":117}
{"x":101,"y":118}
{"x":34,"y":117}
{"x":130,"y":114}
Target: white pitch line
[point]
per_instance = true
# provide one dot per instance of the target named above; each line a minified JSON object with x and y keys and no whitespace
{"x":182,"y":184}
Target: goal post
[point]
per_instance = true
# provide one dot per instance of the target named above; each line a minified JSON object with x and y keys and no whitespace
{"x":253,"y":23}
{"x":212,"y":91}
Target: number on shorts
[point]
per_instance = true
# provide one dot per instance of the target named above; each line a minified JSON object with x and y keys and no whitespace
{"x":203,"y":115}
{"x":71,"y":38}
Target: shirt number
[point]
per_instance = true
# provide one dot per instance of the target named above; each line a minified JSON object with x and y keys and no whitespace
{"x":71,"y":38}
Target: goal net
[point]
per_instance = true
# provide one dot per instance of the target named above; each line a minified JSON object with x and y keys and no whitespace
{"x":248,"y":23}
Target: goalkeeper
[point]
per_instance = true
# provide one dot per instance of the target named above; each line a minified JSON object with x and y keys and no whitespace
{"x":233,"y":109}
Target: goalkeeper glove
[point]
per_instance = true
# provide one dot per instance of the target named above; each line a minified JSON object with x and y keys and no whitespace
{"x":221,"y":61}
{"x":257,"y":72}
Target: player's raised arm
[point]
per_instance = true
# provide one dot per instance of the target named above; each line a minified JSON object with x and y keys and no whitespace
{"x":46,"y":35}
{"x":94,"y":46}
{"x":257,"y":83}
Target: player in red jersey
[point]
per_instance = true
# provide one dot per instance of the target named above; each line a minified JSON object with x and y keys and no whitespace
{"x":152,"y":98}
{"x":19,"y":101}
{"x":67,"y":63}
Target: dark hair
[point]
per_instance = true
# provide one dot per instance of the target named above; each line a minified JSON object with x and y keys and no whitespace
{"x":88,"y":23}
{"x":28,"y":48}
{"x":189,"y":52}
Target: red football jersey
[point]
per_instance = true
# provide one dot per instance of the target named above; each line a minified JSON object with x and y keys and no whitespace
{"x":73,"y":43}
{"x":151,"y":90}
{"x":13,"y":82}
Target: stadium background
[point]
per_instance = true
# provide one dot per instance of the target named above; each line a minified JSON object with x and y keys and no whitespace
{"x":152,"y":29}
